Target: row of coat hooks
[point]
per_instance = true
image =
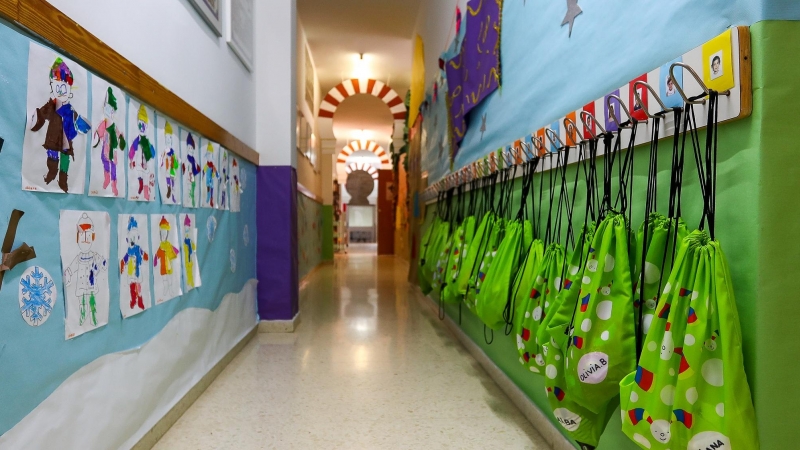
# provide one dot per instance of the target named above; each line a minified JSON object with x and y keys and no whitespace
{"x":566,"y":134}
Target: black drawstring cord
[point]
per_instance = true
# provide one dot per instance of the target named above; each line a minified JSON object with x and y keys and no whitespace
{"x":491,"y":333}
{"x":649,"y":208}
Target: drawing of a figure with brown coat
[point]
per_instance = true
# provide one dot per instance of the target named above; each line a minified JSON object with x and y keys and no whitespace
{"x":63,"y":125}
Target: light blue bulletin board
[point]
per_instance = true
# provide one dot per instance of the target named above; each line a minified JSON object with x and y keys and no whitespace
{"x":34,"y":361}
{"x":546,"y":73}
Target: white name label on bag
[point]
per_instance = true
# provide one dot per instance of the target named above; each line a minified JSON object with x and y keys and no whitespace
{"x":567,"y":418}
{"x":709,"y":440}
{"x":593,"y":367}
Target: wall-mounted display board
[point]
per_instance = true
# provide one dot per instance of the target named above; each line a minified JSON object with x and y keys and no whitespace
{"x":721,"y":64}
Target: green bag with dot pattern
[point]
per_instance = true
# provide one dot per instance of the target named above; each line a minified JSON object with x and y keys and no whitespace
{"x":428,"y":252}
{"x":495,"y":289}
{"x":542,"y":294}
{"x":472,"y":251}
{"x":458,"y":252}
{"x":602,"y":347}
{"x":442,"y":252}
{"x":690,"y":390}
{"x":582,"y":425}
{"x":486,"y":255}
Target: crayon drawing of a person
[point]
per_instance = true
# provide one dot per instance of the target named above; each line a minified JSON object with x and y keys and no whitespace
{"x":131,"y":264}
{"x":191,"y":169}
{"x":110,"y":138}
{"x":165,"y":255}
{"x":63,"y":124}
{"x":141,"y":152}
{"x":211,"y":174}
{"x":84,"y":270}
{"x":170,"y":163}
{"x":189,"y":249}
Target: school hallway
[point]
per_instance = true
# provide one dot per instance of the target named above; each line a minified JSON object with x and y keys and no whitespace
{"x":370,"y":366}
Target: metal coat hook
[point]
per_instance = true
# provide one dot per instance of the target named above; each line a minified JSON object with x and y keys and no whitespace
{"x":584,"y":115}
{"x":553,"y":137}
{"x":699,"y":81}
{"x":572,"y":127}
{"x":537,"y":142}
{"x":508,"y":158}
{"x":526,"y":149}
{"x":641,"y":104}
{"x":630,"y":123}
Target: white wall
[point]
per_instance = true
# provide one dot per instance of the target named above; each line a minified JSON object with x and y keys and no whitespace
{"x":170,"y":41}
{"x":276,"y":84}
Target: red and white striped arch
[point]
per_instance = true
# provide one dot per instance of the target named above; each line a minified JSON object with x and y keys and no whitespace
{"x":352,"y":167}
{"x":354,"y":86}
{"x":371,"y":146}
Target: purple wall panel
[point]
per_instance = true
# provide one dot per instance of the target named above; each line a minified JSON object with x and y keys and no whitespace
{"x":276,"y":259}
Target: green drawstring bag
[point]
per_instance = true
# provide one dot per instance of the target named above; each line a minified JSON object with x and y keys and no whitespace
{"x":473,"y":250}
{"x":428,"y":269}
{"x":542,"y":295}
{"x":660,"y":244}
{"x":602,"y":348}
{"x":460,"y":250}
{"x":690,"y":389}
{"x":522,"y":292}
{"x":441,"y":262}
{"x":423,"y":271}
{"x":484,"y":262}
{"x":494,"y":292}
{"x":582,"y":425}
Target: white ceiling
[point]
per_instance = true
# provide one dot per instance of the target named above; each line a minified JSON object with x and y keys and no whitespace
{"x":363,"y":112}
{"x":338,"y":30}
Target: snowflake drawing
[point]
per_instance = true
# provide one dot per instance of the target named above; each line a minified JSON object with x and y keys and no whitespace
{"x":211,"y":228}
{"x":37,"y":295}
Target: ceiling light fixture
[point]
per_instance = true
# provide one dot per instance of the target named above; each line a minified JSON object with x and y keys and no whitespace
{"x":362,"y":68}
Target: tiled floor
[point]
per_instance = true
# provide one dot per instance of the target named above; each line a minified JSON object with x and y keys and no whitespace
{"x":369,"y":367}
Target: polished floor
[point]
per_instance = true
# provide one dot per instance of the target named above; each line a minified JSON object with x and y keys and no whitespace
{"x":370,"y":367}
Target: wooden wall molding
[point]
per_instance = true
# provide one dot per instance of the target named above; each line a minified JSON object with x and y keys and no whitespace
{"x":307,"y":192}
{"x":43,"y":19}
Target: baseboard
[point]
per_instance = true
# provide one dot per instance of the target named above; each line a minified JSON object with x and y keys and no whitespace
{"x":307,"y":277}
{"x":279,"y":326}
{"x":150,"y":439}
{"x":529,"y":409}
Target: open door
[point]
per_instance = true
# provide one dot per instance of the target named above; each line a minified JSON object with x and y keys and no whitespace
{"x":385,"y":212}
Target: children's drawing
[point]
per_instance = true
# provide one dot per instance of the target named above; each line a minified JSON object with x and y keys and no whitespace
{"x":166,"y":261}
{"x":169,"y":163}
{"x":233,"y":260}
{"x":223,"y":201}
{"x":141,"y":154}
{"x":108,"y":140}
{"x":85,"y":244}
{"x":243,"y":180}
{"x":210,"y":173}
{"x":190,"y":169}
{"x":133,"y":250}
{"x":211,"y":228}
{"x":37,"y":295}
{"x":235,"y":185}
{"x":191,"y":269}
{"x":246,"y":235}
{"x":54,"y":156}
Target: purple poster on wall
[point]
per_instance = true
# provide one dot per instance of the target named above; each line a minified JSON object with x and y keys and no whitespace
{"x":475,"y":72}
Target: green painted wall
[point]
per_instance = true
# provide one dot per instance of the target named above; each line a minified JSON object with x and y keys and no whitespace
{"x":758,"y":224}
{"x":774,"y":336}
{"x":327,"y":232}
